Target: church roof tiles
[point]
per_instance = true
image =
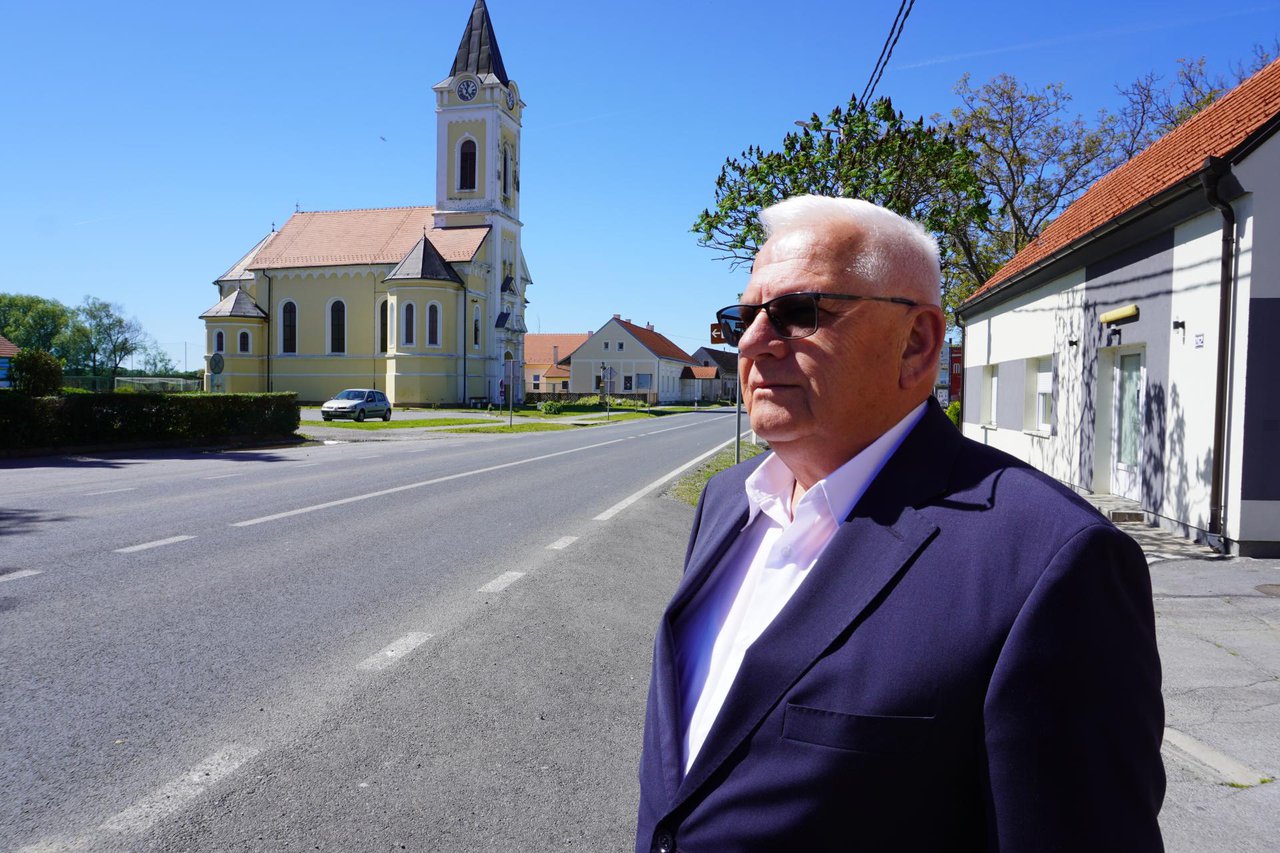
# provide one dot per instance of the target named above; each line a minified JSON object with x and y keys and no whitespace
{"x":237,"y":303}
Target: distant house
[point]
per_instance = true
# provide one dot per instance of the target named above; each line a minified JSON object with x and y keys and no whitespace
{"x":1131,"y":348}
{"x":543,"y":374}
{"x":7,"y":351}
{"x":722,"y":386}
{"x":625,"y":359}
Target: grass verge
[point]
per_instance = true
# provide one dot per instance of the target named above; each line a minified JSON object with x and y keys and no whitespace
{"x":416,"y":422}
{"x":689,"y":487}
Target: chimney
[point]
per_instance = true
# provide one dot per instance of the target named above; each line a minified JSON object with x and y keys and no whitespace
{"x":628,"y":320}
{"x":555,"y":354}
{"x":617,"y":316}
{"x":649,"y":326}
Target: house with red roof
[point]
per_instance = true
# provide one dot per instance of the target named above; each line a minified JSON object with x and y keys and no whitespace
{"x":7,"y":351}
{"x":1130,"y":349}
{"x":423,"y":302}
{"x":544,"y":375}
{"x":625,"y":359}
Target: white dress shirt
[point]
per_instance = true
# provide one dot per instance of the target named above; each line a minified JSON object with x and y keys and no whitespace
{"x":761,"y":571}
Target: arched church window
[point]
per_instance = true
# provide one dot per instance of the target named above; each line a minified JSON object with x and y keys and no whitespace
{"x":506,"y":171}
{"x":338,"y":327}
{"x":433,"y":325}
{"x":408,"y":324}
{"x":244,"y":342}
{"x":467,"y":166}
{"x":475,"y":327}
{"x":382,"y":326}
{"x":219,"y":342}
{"x":289,"y":328}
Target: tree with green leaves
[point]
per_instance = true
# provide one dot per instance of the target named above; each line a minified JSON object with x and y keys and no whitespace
{"x":111,"y":336}
{"x":868,"y":151}
{"x":36,"y":373}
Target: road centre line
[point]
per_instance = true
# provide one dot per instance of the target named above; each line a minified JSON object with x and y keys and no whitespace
{"x":110,"y":492}
{"x":25,"y":573}
{"x":303,"y":465}
{"x":144,"y":546}
{"x":374,"y":456}
{"x":501,"y":582}
{"x":628,"y":501}
{"x":409,"y":486}
{"x":177,"y":794}
{"x":393,"y":652}
{"x":562,"y":543}
{"x":224,"y":476}
{"x":1208,"y":761}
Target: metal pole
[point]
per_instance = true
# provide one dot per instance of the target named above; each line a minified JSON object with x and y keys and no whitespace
{"x":511,"y":393}
{"x":737,"y":429}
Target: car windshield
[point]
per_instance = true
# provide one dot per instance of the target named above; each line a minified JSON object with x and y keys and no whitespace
{"x":350,"y":394}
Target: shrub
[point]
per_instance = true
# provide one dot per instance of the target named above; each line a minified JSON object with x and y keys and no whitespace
{"x":36,"y":373}
{"x":551,"y":407}
{"x":953,"y":412}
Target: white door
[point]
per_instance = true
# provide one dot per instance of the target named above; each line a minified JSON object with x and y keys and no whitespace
{"x":1126,"y":426}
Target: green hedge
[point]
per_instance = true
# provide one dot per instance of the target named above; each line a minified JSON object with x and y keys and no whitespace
{"x":95,"y":419}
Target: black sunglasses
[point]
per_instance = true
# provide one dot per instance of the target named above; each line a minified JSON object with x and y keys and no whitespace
{"x":792,"y":315}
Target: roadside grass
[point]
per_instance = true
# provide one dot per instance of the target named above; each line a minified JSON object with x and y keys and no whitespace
{"x":503,"y":428}
{"x":404,"y":424}
{"x":689,"y":487}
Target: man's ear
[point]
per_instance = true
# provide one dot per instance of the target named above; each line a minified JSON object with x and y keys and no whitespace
{"x":921,"y":347}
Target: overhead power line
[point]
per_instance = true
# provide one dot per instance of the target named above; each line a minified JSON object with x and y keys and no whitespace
{"x":886,"y":51}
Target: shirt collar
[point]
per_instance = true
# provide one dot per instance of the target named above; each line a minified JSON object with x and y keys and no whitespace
{"x":770,"y":486}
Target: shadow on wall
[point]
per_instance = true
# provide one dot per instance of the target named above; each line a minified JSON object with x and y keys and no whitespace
{"x":1090,"y":339}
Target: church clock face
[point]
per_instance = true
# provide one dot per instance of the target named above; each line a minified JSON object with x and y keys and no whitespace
{"x":467,"y":89}
{"x":511,"y":100}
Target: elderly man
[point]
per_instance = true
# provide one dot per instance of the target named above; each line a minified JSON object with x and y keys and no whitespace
{"x":889,"y":637}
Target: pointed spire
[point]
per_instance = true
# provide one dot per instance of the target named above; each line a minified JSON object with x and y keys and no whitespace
{"x":478,"y":53}
{"x":424,"y":263}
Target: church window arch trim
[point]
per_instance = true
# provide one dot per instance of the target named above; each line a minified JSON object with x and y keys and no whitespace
{"x":288,"y":343}
{"x":409,"y":324}
{"x":244,"y":342}
{"x":435,"y":317}
{"x":468,"y":164}
{"x":383,"y":334}
{"x":335,"y":327}
{"x":219,"y":341}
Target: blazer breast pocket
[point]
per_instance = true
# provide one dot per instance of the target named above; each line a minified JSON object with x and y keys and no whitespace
{"x":858,"y":732}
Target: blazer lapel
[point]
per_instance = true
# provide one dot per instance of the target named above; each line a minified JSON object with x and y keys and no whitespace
{"x":868,"y":552}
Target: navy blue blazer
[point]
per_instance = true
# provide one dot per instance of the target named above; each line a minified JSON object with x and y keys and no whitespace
{"x":970,"y":665}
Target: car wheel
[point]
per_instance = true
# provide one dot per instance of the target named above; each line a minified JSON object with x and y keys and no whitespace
{"x":360,"y":416}
{"x":386,"y":416}
{"x":325,"y":418}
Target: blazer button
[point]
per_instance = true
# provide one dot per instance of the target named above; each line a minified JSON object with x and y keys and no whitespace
{"x":664,"y":843}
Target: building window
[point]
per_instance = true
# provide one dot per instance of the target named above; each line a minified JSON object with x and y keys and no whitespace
{"x":1044,"y":394}
{"x":219,"y":342}
{"x":606,"y":344}
{"x":506,"y":171}
{"x":382,"y":327}
{"x":433,"y":325}
{"x":408,"y":324}
{"x":564,"y":386}
{"x":620,"y":343}
{"x":475,"y":326}
{"x":627,"y":383}
{"x":467,"y":165}
{"x":289,"y":328}
{"x":244,"y":342}
{"x":338,"y":327}
{"x":644,"y":381}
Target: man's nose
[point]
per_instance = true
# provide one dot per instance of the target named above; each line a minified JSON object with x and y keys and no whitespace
{"x":759,"y":336}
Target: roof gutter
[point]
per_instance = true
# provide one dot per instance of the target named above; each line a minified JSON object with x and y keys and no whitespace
{"x":1215,"y":171}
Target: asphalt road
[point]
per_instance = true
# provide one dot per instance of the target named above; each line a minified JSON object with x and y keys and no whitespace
{"x":347,"y":647}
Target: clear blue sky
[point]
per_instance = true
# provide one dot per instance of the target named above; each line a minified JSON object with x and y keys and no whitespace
{"x":146,"y":146}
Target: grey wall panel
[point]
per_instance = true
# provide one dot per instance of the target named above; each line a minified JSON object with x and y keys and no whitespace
{"x":1260,"y":477}
{"x":973,"y":392}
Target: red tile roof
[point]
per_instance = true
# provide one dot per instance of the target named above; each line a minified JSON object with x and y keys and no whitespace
{"x":7,"y":347}
{"x":655,"y":343}
{"x":539,"y":348}
{"x":700,"y":373}
{"x":382,"y":236}
{"x":1216,"y":131}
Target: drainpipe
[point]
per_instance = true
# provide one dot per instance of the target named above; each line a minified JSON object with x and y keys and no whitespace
{"x":267,"y":329}
{"x":1215,"y":170}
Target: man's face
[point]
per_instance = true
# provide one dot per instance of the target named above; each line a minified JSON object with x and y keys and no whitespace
{"x":820,"y":400}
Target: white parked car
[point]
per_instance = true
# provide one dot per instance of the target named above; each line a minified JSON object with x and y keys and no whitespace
{"x":357,"y":404}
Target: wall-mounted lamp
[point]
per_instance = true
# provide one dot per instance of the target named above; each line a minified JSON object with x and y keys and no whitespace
{"x":1180,"y":324}
{"x":1127,"y":314}
{"x":1074,"y":342}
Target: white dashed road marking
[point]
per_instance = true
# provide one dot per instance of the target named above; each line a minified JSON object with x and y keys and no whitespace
{"x":562,"y":543}
{"x":374,"y":456}
{"x":501,"y":582}
{"x":109,"y":492}
{"x":13,"y":576}
{"x":144,"y":546}
{"x":1207,"y":761}
{"x":225,"y":476}
{"x":393,"y":652}
{"x":181,"y":791}
{"x":628,"y":501}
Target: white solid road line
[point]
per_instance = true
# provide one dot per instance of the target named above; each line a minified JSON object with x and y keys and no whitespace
{"x":373,"y":456}
{"x":501,"y":582}
{"x":13,"y":576}
{"x":225,"y":476}
{"x":562,"y":543}
{"x":144,"y":546}
{"x":393,"y":652}
{"x":329,"y":504}
{"x":628,"y":501}
{"x":181,"y":791}
{"x":1206,"y":760}
{"x":110,"y":492}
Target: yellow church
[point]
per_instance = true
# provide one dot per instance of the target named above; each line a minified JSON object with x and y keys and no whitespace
{"x":424,"y":303}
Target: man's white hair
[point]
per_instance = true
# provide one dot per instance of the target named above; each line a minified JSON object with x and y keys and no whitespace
{"x":898,"y":256}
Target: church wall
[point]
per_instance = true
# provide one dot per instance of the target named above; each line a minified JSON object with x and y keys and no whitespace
{"x":458,"y":131}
